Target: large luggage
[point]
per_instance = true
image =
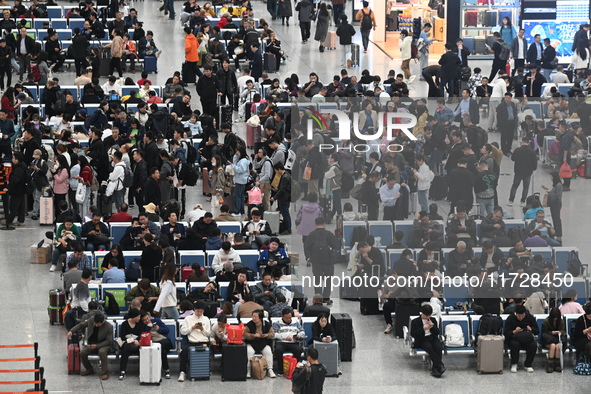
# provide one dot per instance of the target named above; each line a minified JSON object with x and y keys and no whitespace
{"x":205,"y":181}
{"x":438,"y":190}
{"x":250,"y":133}
{"x":471,"y":18}
{"x":489,"y":354}
{"x":150,"y":364}
{"x":185,"y":272}
{"x":46,"y":211}
{"x":469,"y":43}
{"x":328,"y":355}
{"x":369,"y":306}
{"x":331,"y":40}
{"x":188,"y":73}
{"x":272,"y":217}
{"x":234,"y":361}
{"x":73,"y":359}
{"x":355,"y":55}
{"x":326,"y":205}
{"x":199,"y":362}
{"x":151,"y":64}
{"x":479,"y":46}
{"x":226,"y":112}
{"x":588,"y":167}
{"x":343,"y":327}
{"x":270,"y":63}
{"x":57,"y":303}
{"x":404,"y":310}
{"x":491,"y":17}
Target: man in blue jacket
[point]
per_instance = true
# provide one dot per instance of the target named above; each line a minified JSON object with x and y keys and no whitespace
{"x":274,"y":257}
{"x":256,"y":62}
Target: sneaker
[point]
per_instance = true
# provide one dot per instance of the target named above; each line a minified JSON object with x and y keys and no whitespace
{"x":272,"y":374}
{"x":248,"y":374}
{"x":122,"y":375}
{"x":510,"y":204}
{"x":182,"y":377}
{"x":514,"y":368}
{"x":388,"y":329}
{"x":522,"y":204}
{"x":286,"y":232}
{"x":528,"y":369}
{"x":35,"y":217}
{"x":3,"y":222}
{"x":411,"y":79}
{"x":52,"y":268}
{"x":167,"y":374}
{"x":158,"y":53}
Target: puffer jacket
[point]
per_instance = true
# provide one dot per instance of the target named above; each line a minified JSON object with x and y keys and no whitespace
{"x":306,"y":218}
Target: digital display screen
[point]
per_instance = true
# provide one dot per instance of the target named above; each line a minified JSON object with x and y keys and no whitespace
{"x":572,"y":10}
{"x":561,"y":34}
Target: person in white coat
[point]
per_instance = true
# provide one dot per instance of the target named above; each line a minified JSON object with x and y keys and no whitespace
{"x":406,"y":55}
{"x":499,"y":90}
{"x":580,"y":59}
{"x":115,"y":187}
{"x":226,"y":254}
{"x":424,"y":177}
{"x":167,"y":300}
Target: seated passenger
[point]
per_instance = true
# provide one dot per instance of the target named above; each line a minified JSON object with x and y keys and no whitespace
{"x":82,"y":260}
{"x":159,"y":331}
{"x":198,"y":275}
{"x":280,"y":305}
{"x":214,"y":241}
{"x":317,"y":308}
{"x":535,"y":240}
{"x":129,"y":335}
{"x":546,"y":230}
{"x":425,"y":332}
{"x":144,"y":292}
{"x":322,"y":330}
{"x":245,"y":308}
{"x":197,"y":328}
{"x":274,"y":257}
{"x":174,"y":230}
{"x":225,"y":255}
{"x":257,"y":230}
{"x":114,"y":274}
{"x":67,"y":235}
{"x":239,"y":243}
{"x":258,"y":334}
{"x":553,"y":332}
{"x":265,"y":292}
{"x":287,"y":332}
{"x":99,"y":341}
{"x":570,"y":304}
{"x":96,"y":233}
{"x":459,"y":260}
{"x":521,"y":332}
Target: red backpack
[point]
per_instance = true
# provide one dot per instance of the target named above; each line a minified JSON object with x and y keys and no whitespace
{"x":35,"y":72}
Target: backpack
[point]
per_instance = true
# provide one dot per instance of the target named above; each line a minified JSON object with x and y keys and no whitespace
{"x":366,"y":21}
{"x":289,"y":160}
{"x":191,"y":154}
{"x":321,"y":250}
{"x":579,"y":369}
{"x":133,"y":273}
{"x":490,"y":325}
{"x":414,"y":50}
{"x":239,"y":143}
{"x":575,"y":267}
{"x":191,"y":176}
{"x":44,"y":153}
{"x":127,"y":177}
{"x":347,"y":181}
{"x":454,"y":336}
{"x":517,"y":234}
{"x":111,"y":305}
{"x":301,"y":388}
{"x":359,"y":235}
{"x":505,"y":50}
{"x":35,"y":73}
{"x":481,"y":137}
{"x":60,"y":102}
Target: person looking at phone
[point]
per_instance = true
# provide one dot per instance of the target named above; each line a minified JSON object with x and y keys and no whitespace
{"x":521,"y":332}
{"x":425,"y":332}
{"x":197,"y":328}
{"x":310,"y":374}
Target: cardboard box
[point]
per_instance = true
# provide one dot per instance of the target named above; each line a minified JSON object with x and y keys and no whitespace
{"x":41,"y":255}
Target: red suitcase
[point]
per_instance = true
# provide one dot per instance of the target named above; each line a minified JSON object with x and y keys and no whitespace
{"x":250,"y":133}
{"x":331,"y":40}
{"x":205,"y":181}
{"x":185,"y":272}
{"x":73,"y":359}
{"x":471,"y":18}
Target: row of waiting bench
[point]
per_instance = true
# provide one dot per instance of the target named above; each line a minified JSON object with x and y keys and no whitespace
{"x":469,"y":325}
{"x":178,"y":341}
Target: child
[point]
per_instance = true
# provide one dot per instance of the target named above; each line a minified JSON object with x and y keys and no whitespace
{"x":194,"y":126}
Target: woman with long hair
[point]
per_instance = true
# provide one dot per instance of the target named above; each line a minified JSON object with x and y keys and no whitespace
{"x":555,"y":202}
{"x":553,"y":332}
{"x":218,"y":183}
{"x":115,"y":253}
{"x":322,"y":26}
{"x":167,"y":299}
{"x":322,"y":330}
{"x":507,"y":31}
{"x":43,"y":67}
{"x":8,"y":102}
{"x":61,"y":181}
{"x":85,"y":176}
{"x":241,"y":171}
{"x":580,"y":58}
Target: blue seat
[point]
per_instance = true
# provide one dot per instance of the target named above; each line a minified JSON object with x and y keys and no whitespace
{"x":76,"y":22}
{"x":455,"y":291}
{"x":41,"y":94}
{"x":90,"y":109}
{"x":172,"y":335}
{"x":131,"y":255}
{"x":406,"y":227}
{"x":579,"y":285}
{"x":62,"y":24}
{"x":393,"y":256}
{"x":230,"y":227}
{"x":38,"y":23}
{"x":561,"y":257}
{"x":190,"y":257}
{"x":249,"y":258}
{"x":99,"y":257}
{"x":513,"y":223}
{"x":546,"y":252}
{"x":307,"y":323}
{"x":382,"y":229}
{"x":570,"y":320}
{"x":54,"y":12}
{"x":348,"y":228}
{"x":119,"y":290}
{"x":539,"y":320}
{"x":536,"y":107}
{"x":63,"y":34}
{"x":72,"y":89}
{"x":117,"y":231}
{"x":464,"y":322}
{"x":224,"y":290}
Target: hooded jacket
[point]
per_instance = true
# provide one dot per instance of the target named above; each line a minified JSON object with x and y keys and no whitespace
{"x":305,"y":220}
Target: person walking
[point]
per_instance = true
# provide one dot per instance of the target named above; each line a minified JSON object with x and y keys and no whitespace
{"x":320,"y":244}
{"x":498,"y":63}
{"x":17,"y":191}
{"x":525,"y":165}
{"x":368,"y":22}
{"x":285,"y":11}
{"x":345,"y":32}
{"x":283,"y":197}
{"x":518,"y":50}
{"x":322,"y":26}
{"x":424,"y":177}
{"x":306,"y":218}
{"x":338,"y":6}
{"x":116,"y":46}
{"x":305,"y":11}
{"x":507,"y":122}
{"x":555,"y":203}
{"x":449,"y":63}
{"x":241,"y":171}
{"x":406,"y":55}
{"x":423,"y":46}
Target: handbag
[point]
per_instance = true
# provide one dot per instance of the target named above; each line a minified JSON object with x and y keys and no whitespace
{"x":146,"y":339}
{"x":565,"y":171}
{"x":255,"y":196}
{"x":202,"y":47}
{"x":277,"y":179}
{"x":234,"y":333}
{"x":100,"y":239}
{"x":307,"y":172}
{"x":259,"y":367}
{"x":80,"y":192}
{"x":545,"y":201}
{"x":254,"y":121}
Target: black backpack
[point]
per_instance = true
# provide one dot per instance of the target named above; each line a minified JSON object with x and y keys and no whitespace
{"x":490,"y":325}
{"x":321,"y":250}
{"x":366,"y":21}
{"x":60,"y":102}
{"x":133,"y":272}
{"x":191,"y":153}
{"x":517,"y":234}
{"x":347,"y":181}
{"x":111,"y":305}
{"x":575,"y":267}
{"x":191,"y":176}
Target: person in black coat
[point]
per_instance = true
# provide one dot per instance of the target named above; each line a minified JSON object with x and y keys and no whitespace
{"x":521,"y":332}
{"x":525,"y":165}
{"x":98,"y":155}
{"x":204,"y":227}
{"x":256,"y":62}
{"x":533,"y":82}
{"x":228,"y":86}
{"x":535,"y":51}
{"x":498,"y":63}
{"x":462,"y":52}
{"x":449,"y":63}
{"x":24,"y":58}
{"x":140,"y":176}
{"x":208,"y":88}
{"x":405,"y":266}
{"x":370,"y":197}
{"x":547,"y":58}
{"x":151,"y":152}
{"x":461,"y":185}
{"x":425,"y":333}
{"x":152,"y":188}
{"x":151,"y":258}
{"x":582,"y":35}
{"x":455,"y":151}
{"x":313,"y":381}
{"x":16,"y":190}
{"x":507,"y":121}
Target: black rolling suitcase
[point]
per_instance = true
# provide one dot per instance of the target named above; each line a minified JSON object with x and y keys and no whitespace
{"x":234,"y":360}
{"x":343,"y":327}
{"x":225,"y":112}
{"x":188,"y":73}
{"x":326,"y":205}
{"x":404,"y":310}
{"x":270,"y":63}
{"x":369,"y":306}
{"x":438,"y":190}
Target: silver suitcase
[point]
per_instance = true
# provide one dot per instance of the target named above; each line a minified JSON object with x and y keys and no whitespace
{"x":489,"y":355}
{"x":272,"y":217}
{"x":150,"y":364}
{"x":328,"y":355}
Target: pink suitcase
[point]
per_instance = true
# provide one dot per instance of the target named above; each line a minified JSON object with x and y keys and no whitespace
{"x":331,"y":40}
{"x":250,"y":132}
{"x":46,"y":211}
